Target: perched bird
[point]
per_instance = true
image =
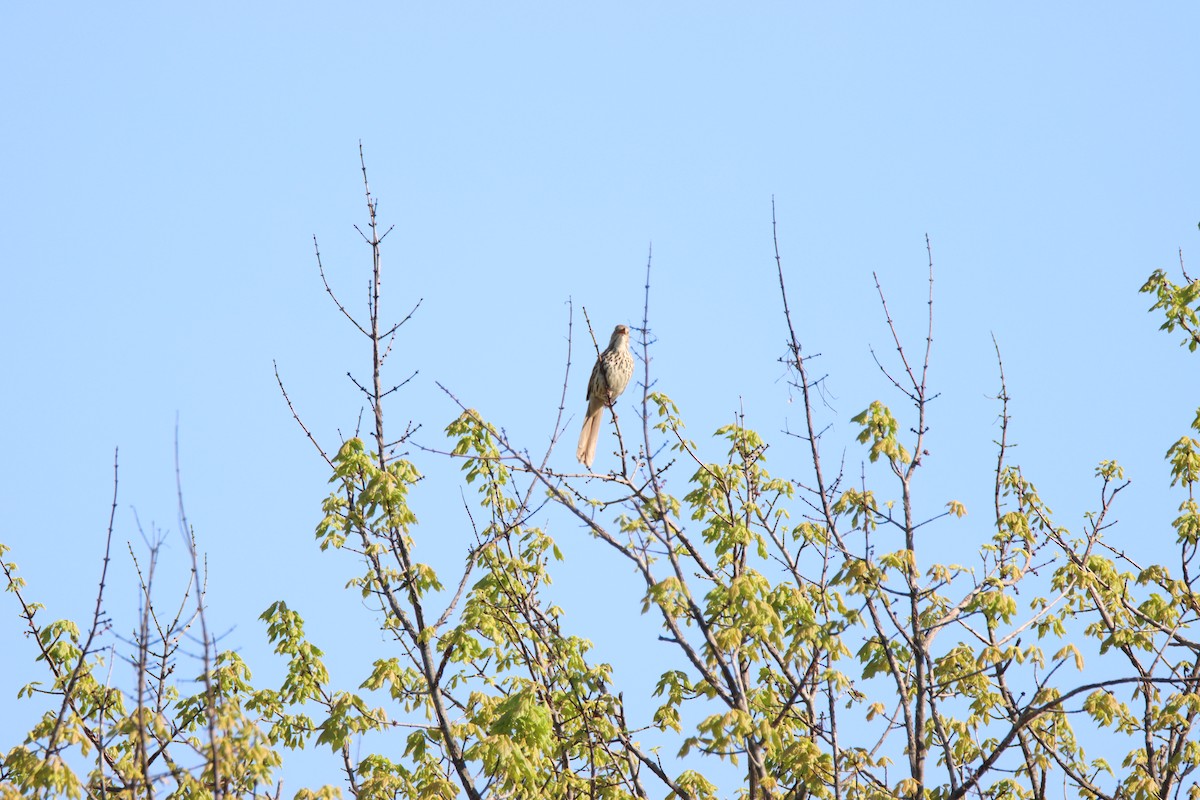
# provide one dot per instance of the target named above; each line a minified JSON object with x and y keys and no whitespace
{"x":609,"y":378}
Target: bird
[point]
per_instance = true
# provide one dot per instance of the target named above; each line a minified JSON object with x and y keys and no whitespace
{"x":609,"y":378}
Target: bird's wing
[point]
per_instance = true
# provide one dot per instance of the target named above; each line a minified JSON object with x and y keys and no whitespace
{"x":594,"y":379}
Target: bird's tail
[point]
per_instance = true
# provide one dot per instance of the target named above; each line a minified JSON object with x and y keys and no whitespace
{"x":586,"y":451}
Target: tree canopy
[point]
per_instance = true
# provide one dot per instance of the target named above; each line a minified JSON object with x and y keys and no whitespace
{"x":813,"y":640}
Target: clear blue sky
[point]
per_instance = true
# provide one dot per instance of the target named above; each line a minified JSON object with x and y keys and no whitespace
{"x":164,"y":168}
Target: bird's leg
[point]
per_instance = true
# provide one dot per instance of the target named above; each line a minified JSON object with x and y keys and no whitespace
{"x":612,"y":404}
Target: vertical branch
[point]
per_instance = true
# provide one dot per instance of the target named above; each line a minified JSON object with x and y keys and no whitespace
{"x":646,"y":374}
{"x":97,"y":613}
{"x":797,"y":361}
{"x":921,"y":638}
{"x":559,"y":426}
{"x":1004,"y":419}
{"x":929,"y":329}
{"x":210,"y":698}
{"x":418,"y":630}
{"x":141,"y":668}
{"x":376,"y":277}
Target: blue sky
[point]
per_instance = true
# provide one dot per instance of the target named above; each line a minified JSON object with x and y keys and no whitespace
{"x":166,"y":167}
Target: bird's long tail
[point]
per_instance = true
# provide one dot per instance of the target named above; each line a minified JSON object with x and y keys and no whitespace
{"x":586,"y":451}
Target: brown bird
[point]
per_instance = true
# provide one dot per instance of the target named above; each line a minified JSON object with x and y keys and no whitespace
{"x":609,"y":378}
